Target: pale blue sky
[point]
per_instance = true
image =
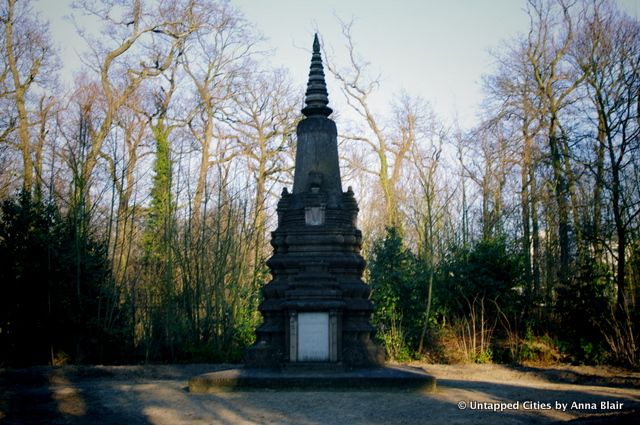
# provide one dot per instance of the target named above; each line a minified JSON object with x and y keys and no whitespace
{"x":437,"y":49}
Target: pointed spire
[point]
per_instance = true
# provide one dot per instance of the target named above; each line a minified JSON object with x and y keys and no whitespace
{"x":316,"y":97}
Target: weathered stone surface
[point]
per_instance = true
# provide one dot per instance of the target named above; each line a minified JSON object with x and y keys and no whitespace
{"x":316,"y":265}
{"x":317,"y":156}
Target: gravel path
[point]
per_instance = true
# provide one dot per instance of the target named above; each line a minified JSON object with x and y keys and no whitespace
{"x":491,"y":394}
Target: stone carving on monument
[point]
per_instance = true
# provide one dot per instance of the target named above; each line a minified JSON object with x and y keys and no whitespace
{"x":316,"y":308}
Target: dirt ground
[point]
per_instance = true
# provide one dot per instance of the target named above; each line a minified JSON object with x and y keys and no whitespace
{"x":491,"y":394}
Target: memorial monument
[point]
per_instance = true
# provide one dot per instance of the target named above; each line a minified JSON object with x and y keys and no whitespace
{"x":316,"y":308}
{"x":315,"y":333}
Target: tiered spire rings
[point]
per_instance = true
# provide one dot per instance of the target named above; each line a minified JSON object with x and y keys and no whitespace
{"x":316,"y":97}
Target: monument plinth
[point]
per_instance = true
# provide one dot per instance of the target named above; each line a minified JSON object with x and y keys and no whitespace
{"x":316,"y":307}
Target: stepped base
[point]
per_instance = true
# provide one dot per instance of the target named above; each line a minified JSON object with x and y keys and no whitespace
{"x":318,"y":377}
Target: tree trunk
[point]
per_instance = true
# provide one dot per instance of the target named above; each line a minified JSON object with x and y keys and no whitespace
{"x":535,"y":234}
{"x":621,"y":230}
{"x":560,"y":189}
{"x":597,"y":190}
{"x":203,"y":171}
{"x":526,"y":213}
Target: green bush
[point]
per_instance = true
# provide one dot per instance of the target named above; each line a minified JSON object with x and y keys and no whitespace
{"x":398,"y":293}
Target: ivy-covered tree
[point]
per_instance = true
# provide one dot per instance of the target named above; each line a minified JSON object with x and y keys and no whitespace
{"x":158,"y":289}
{"x":160,"y":216}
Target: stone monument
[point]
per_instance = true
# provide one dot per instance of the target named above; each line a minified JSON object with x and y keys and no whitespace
{"x":316,"y":308}
{"x":315,"y":333}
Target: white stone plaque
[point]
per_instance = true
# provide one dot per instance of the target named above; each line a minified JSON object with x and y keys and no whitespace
{"x":313,"y":337}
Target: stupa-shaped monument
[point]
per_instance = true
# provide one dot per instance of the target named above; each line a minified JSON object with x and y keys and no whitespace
{"x":316,"y":308}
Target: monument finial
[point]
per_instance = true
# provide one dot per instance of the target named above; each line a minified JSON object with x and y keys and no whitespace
{"x":316,"y":97}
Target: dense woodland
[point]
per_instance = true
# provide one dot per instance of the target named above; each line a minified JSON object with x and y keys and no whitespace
{"x":137,"y":201}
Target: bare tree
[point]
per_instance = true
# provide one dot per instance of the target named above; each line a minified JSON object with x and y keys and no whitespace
{"x":489,"y":166}
{"x":429,"y":213}
{"x":121,"y":153}
{"x":607,"y":52}
{"x":389,"y":149}
{"x":45,"y":113}
{"x":29,"y":60}
{"x":549,"y":41}
{"x":214,"y":61}
{"x":264,"y":120}
{"x":512,"y":100}
{"x":137,"y":43}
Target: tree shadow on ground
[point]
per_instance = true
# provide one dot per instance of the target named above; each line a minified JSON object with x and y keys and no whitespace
{"x":45,"y":395}
{"x":626,"y":379}
{"x":157,"y":396}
